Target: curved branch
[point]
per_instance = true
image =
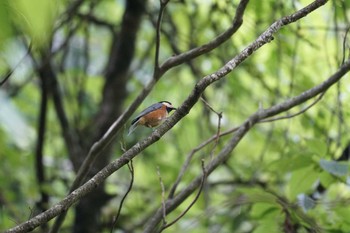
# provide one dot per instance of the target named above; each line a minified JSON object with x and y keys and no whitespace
{"x":159,"y":22}
{"x":255,"y":118}
{"x":167,"y":225}
{"x":193,"y":53}
{"x":132,"y":173}
{"x":113,"y":130}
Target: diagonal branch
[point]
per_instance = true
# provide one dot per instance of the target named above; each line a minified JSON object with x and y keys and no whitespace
{"x":167,"y":225}
{"x":113,"y":130}
{"x":255,"y":118}
{"x":193,"y":53}
{"x":132,"y":173}
{"x":10,"y":71}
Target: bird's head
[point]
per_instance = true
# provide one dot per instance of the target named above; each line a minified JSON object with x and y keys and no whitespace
{"x":168,"y":105}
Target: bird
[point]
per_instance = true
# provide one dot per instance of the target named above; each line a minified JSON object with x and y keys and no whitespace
{"x":152,"y":116}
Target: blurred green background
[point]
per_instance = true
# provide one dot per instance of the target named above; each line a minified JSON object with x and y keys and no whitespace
{"x":274,"y":177}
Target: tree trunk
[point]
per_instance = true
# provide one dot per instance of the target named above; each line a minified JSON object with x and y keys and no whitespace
{"x":114,"y":93}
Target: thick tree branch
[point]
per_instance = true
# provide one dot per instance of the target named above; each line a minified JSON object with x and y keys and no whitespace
{"x":182,"y":111}
{"x":111,"y":133}
{"x":193,"y":53}
{"x":225,"y":153}
{"x":113,"y":96}
{"x":39,"y":163}
{"x":46,"y":72}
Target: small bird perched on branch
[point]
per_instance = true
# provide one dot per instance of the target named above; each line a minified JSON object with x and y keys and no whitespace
{"x":152,"y":116}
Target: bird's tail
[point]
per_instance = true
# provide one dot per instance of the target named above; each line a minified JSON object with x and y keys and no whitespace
{"x":133,"y":127}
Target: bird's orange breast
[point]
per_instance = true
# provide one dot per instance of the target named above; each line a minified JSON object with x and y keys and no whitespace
{"x":154,"y":118}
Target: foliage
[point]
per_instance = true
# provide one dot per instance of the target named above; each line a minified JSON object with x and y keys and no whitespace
{"x":285,"y":175}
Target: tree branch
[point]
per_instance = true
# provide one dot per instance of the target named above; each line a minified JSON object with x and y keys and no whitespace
{"x":225,"y":153}
{"x":10,"y":72}
{"x":193,"y":53}
{"x":163,"y":4}
{"x":166,"y":225}
{"x":39,"y":164}
{"x":113,"y":130}
{"x":131,"y":169}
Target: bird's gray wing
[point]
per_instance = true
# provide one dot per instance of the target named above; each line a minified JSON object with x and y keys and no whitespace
{"x":151,"y":108}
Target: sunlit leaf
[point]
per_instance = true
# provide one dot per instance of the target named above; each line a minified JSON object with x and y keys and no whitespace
{"x":5,"y":23}
{"x":262,"y":210}
{"x":36,"y":18}
{"x":326,"y":179}
{"x":301,"y":181}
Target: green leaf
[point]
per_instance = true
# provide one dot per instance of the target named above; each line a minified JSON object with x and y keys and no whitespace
{"x":35,"y":17}
{"x":257,"y":195}
{"x":301,"y":181}
{"x":291,"y":163}
{"x":316,"y":146}
{"x":5,"y":25}
{"x":263,"y":210}
{"x":334,"y":167}
{"x":327,"y":179}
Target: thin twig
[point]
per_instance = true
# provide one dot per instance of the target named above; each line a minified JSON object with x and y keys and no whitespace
{"x":192,"y":203}
{"x":158,"y":28}
{"x":191,"y":154}
{"x":210,"y":107}
{"x":228,"y":132}
{"x":344,"y":44}
{"x":131,"y":169}
{"x":295,"y":114}
{"x":219,"y":114}
{"x":10,"y":72}
{"x":111,"y":133}
{"x":163,"y":195}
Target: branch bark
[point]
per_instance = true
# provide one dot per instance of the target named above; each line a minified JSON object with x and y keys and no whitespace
{"x":255,"y":118}
{"x":113,"y":130}
{"x":114,"y":93}
{"x":42,"y":204}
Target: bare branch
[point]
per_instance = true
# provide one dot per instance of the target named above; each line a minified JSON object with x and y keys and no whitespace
{"x":163,"y":195}
{"x":131,"y":169}
{"x":225,"y":153}
{"x":10,"y":72}
{"x":166,"y":225}
{"x":163,"y":4}
{"x":295,"y":114}
{"x":39,"y":156}
{"x":219,"y":114}
{"x":191,"y":154}
{"x":193,"y":53}
{"x":111,"y":133}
